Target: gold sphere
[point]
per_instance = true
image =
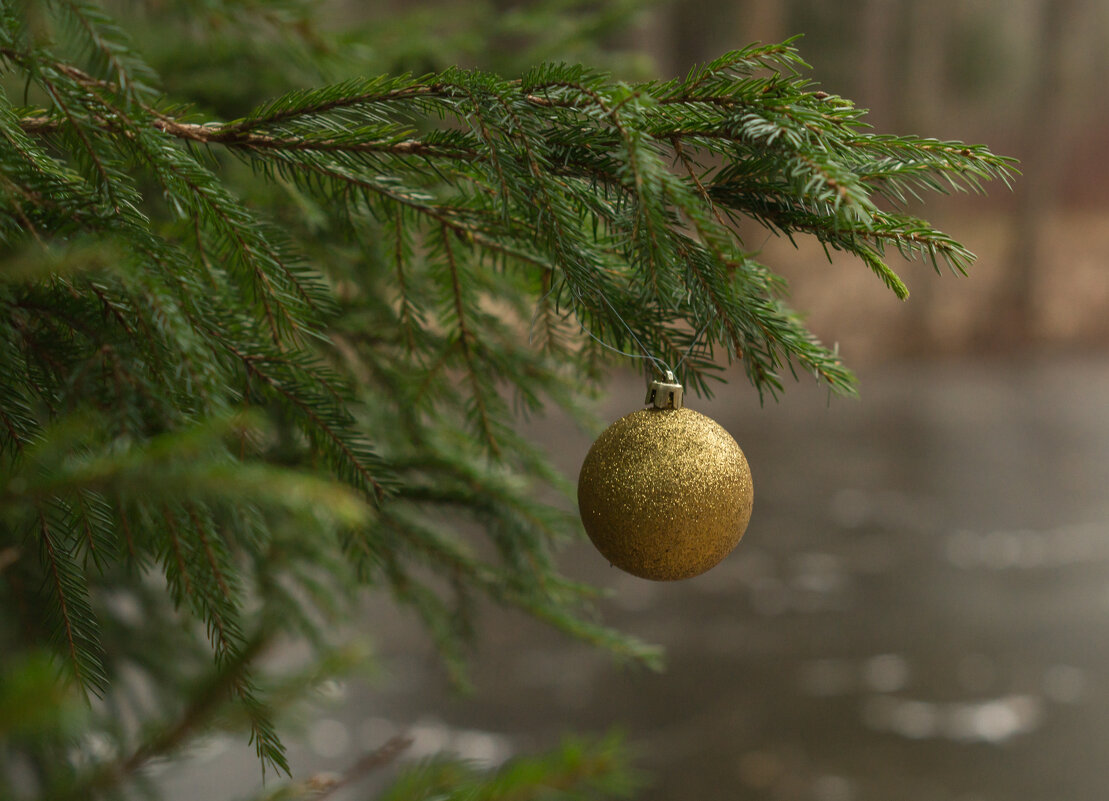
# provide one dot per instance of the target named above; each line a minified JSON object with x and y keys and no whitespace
{"x":665,"y":494}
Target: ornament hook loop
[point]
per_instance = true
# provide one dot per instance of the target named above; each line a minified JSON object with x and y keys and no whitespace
{"x":665,"y":394}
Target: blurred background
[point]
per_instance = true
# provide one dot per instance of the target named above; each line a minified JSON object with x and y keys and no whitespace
{"x":920,"y":607}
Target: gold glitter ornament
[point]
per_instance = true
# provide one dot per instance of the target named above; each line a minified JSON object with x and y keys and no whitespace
{"x":665,"y":492}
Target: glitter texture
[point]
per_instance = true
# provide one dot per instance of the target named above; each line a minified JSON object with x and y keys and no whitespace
{"x":665,"y":494}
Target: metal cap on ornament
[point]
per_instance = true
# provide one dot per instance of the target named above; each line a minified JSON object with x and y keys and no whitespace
{"x":665,"y":394}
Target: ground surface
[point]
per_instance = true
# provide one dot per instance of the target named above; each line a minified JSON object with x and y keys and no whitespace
{"x":917,"y":612}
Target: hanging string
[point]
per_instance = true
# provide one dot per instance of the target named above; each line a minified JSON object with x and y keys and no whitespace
{"x":645,"y":355}
{"x":657,"y":362}
{"x":694,"y":342}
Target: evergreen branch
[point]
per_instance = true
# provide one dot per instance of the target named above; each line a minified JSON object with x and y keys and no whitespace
{"x":559,"y":229}
{"x":711,"y":240}
{"x":464,"y":340}
{"x":241,"y":232}
{"x":380,"y":757}
{"x":407,"y":313}
{"x":493,"y":150}
{"x":965,"y":166}
{"x":200,"y":529}
{"x":647,"y":207}
{"x":14,"y":437}
{"x":206,"y":703}
{"x":354,"y":455}
{"x":230,"y":135}
{"x":878,"y":266}
{"x":107,"y":184}
{"x":107,"y":40}
{"x":439,"y":214}
{"x":16,"y":408}
{"x":202,"y":708}
{"x":507,"y":587}
{"x":809,"y":172}
{"x":55,"y":574}
{"x":257,"y":252}
{"x":220,"y":610}
{"x":79,"y":629}
{"x":95,"y":519}
{"x":322,"y":101}
{"x":186,"y":585}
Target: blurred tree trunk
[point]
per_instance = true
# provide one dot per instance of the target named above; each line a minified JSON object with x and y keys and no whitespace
{"x":700,"y":29}
{"x":921,"y":108}
{"x":694,"y":26}
{"x":1044,"y":136}
{"x":762,"y":21}
{"x":878,"y":60}
{"x":926,"y":55}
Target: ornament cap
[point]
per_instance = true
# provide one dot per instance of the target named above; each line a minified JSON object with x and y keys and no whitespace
{"x":665,"y":394}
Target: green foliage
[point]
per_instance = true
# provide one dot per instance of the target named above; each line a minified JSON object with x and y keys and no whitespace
{"x":256,"y":356}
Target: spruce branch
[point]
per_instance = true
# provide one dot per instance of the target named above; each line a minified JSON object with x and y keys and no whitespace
{"x":108,"y":48}
{"x":69,"y":593}
{"x":207,"y":702}
{"x":465,"y":337}
{"x":327,"y":423}
{"x":321,"y":788}
{"x":777,"y":117}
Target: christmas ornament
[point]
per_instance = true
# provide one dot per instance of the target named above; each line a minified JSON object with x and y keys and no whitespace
{"x":665,"y":492}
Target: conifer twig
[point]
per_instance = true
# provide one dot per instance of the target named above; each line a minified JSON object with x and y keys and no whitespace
{"x":374,"y":760}
{"x":204,"y":705}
